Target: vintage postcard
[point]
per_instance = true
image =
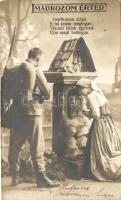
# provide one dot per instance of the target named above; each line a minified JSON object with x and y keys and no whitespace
{"x":60,"y":68}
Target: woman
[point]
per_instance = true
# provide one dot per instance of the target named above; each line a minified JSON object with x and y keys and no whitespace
{"x":103,"y":151}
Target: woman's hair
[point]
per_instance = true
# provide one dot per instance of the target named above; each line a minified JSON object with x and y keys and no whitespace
{"x":33,"y":53}
{"x":80,"y":86}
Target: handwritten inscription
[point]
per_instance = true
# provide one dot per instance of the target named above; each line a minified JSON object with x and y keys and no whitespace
{"x":80,"y":192}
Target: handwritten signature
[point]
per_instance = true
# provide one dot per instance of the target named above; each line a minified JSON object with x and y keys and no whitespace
{"x":74,"y":190}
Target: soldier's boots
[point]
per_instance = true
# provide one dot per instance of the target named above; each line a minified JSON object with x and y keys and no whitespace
{"x":44,"y":182}
{"x":16,"y":180}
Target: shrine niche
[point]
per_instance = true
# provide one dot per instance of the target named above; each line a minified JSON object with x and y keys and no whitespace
{"x":75,"y":126}
{"x":69,"y":126}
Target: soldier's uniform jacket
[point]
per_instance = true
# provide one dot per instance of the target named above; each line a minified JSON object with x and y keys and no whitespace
{"x":27,"y":87}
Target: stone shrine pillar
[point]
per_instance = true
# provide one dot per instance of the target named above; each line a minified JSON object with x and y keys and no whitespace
{"x":63,"y":83}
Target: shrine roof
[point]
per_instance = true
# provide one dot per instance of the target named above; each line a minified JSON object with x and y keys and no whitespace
{"x":73,"y":55}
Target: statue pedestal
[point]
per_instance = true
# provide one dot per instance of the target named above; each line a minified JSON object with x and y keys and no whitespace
{"x":63,"y":83}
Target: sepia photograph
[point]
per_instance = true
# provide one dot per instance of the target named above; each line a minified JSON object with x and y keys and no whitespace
{"x":60,"y":69}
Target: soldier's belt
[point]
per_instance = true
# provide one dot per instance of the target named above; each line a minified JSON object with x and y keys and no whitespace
{"x":23,"y":99}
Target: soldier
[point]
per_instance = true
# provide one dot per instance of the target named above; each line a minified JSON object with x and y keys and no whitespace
{"x":29,"y":86}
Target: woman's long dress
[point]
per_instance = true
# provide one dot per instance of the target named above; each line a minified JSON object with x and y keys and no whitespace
{"x":103,"y":151}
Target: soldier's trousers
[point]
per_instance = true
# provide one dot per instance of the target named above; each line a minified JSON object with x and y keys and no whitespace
{"x":27,"y":128}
